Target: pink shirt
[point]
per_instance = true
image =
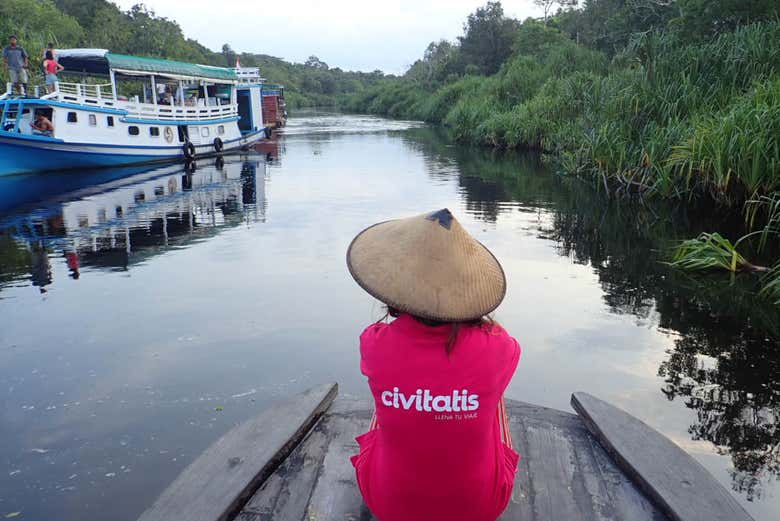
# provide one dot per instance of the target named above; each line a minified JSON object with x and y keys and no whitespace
{"x":437,"y":454}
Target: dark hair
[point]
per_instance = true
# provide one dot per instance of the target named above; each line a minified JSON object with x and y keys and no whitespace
{"x":50,"y":45}
{"x":49,"y":55}
{"x":13,"y":37}
{"x":454,"y":326}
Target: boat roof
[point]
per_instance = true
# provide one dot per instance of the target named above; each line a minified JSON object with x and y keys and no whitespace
{"x":101,"y":62}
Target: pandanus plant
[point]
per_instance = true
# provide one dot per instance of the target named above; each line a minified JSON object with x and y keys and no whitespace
{"x":712,"y":251}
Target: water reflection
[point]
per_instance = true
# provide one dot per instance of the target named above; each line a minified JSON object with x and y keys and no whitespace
{"x":116,"y":224}
{"x":725,"y":364}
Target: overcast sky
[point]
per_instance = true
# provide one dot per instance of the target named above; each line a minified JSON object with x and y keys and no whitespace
{"x":351,"y":34}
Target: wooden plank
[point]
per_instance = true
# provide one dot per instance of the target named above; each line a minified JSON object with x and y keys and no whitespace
{"x":672,"y":479}
{"x":217,"y":485}
{"x":336,"y":495}
{"x":285,"y":495}
{"x":290,"y":495}
{"x":618,"y":498}
{"x":564,"y":474}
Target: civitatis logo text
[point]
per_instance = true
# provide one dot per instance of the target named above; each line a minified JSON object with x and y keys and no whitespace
{"x":424,"y":401}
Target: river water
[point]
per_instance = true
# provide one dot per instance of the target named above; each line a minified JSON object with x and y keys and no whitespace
{"x":144,"y":312}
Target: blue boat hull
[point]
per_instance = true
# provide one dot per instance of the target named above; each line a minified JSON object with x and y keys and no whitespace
{"x":20,"y":155}
{"x":16,"y":159}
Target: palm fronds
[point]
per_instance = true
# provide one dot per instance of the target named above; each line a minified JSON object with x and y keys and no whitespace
{"x":707,"y":252}
{"x":771,"y":284}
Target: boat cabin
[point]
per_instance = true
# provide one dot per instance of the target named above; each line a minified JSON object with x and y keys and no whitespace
{"x":104,"y":92}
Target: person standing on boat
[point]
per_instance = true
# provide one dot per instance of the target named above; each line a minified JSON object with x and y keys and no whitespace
{"x":438,"y":447}
{"x":49,"y":48}
{"x":16,"y":61}
{"x":52,"y":67}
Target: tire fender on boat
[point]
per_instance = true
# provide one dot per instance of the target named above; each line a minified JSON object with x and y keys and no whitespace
{"x":189,"y":150}
{"x":218,"y":145}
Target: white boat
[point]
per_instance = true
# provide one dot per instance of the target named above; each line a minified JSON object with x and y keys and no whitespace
{"x":130,"y":109}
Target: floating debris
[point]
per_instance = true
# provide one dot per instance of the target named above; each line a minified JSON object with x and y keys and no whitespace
{"x":39,"y":451}
{"x":14,"y":472}
{"x":248,"y":393}
{"x":12,"y":514}
{"x":111,"y":475}
{"x":218,"y":408}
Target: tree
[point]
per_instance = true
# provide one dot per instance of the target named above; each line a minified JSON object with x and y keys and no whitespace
{"x":705,"y":17}
{"x":487,"y":38}
{"x":438,"y":62}
{"x":229,"y":54}
{"x":609,"y":25}
{"x":316,"y":63}
{"x":547,"y":5}
{"x":112,"y":32}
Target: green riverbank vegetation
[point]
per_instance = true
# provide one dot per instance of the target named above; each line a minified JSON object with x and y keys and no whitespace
{"x":672,"y":99}
{"x":139,"y":31}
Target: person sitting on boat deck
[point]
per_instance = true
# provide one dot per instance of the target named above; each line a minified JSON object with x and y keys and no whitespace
{"x":42,"y":126}
{"x":16,"y":61}
{"x":52,"y":68}
{"x":167,"y":97}
{"x":438,"y":446}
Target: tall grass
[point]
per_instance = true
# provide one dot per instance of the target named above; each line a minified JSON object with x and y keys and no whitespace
{"x":737,"y":150}
{"x":663,"y":118}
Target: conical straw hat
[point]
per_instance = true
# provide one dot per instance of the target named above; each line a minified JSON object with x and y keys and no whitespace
{"x":428,"y":266}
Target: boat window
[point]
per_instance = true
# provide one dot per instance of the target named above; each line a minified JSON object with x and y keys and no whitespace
{"x":221,"y":130}
{"x":110,"y":121}
{"x":92,"y":120}
{"x":133,"y":130}
{"x":154,"y":131}
{"x":204,"y":132}
{"x":72,"y":117}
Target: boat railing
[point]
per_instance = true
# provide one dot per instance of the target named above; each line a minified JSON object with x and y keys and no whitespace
{"x":103,"y":96}
{"x":85,"y":93}
{"x":248,"y":75}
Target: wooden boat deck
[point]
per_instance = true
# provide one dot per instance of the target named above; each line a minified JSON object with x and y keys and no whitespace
{"x":563,"y":473}
{"x":292,"y":464}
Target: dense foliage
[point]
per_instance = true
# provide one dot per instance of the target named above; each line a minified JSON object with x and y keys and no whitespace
{"x":139,"y":31}
{"x":670,"y":98}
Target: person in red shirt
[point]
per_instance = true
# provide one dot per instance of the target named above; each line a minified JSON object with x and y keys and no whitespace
{"x":438,"y":446}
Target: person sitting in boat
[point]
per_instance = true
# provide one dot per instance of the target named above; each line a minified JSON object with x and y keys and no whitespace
{"x":162,"y":94}
{"x":42,"y":126}
{"x":52,"y":67}
{"x":438,"y":445}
